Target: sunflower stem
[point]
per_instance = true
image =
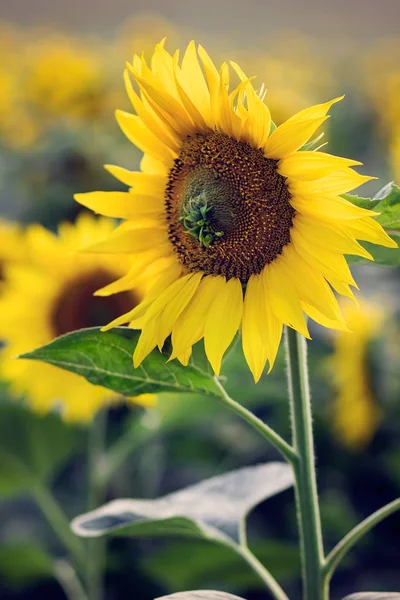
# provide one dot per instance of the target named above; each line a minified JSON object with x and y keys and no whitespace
{"x":304,"y":469}
{"x":284,"y":448}
{"x":97,"y":546}
{"x":341,"y":549}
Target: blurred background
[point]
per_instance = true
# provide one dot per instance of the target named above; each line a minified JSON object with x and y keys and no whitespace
{"x":60,"y":82}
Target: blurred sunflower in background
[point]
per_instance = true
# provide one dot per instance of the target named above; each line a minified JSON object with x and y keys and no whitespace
{"x":11,"y":246}
{"x":51,"y":295}
{"x":252,"y":230}
{"x":382,"y":85}
{"x":356,"y":413}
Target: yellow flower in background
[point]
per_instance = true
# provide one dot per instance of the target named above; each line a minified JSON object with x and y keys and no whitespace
{"x":50,"y":296}
{"x":355,"y":410}
{"x":251,"y":231}
{"x":382,"y":84}
{"x":63,"y":77}
{"x":11,"y":246}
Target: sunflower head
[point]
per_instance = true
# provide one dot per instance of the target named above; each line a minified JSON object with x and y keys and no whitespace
{"x":50,"y":293}
{"x":243,"y":226}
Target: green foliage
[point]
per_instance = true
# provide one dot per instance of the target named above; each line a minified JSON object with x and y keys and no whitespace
{"x":387,"y":203}
{"x":24,"y":563}
{"x":374,"y":596}
{"x":106,"y":359}
{"x":212,"y":509}
{"x":42,"y":446}
{"x":201,"y":595}
{"x":219,"y":564}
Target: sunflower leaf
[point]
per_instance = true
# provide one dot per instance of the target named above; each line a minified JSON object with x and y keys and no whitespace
{"x":105,"y":358}
{"x":374,"y":596}
{"x":200,"y":595}
{"x":387,"y":203}
{"x":212,"y":509}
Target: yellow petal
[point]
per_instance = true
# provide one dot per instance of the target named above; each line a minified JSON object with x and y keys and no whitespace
{"x":132,"y":241}
{"x":330,"y":264}
{"x":322,"y":319}
{"x":223,"y":319}
{"x":310,"y":285}
{"x":174,"y":302}
{"x":212,"y":76}
{"x":254,"y":326}
{"x":327,"y":237}
{"x":312,"y":165}
{"x":290,"y":136}
{"x":369,"y":230}
{"x":158,"y":127}
{"x":296,"y":131}
{"x":143,"y":182}
{"x":152,"y":166}
{"x":339,"y":182}
{"x":189,"y":327}
{"x":121,"y":205}
{"x":283,"y":297}
{"x":137,"y":133}
{"x":328,"y":208}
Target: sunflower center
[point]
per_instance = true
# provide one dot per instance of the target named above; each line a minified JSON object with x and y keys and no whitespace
{"x":77,"y":308}
{"x":228,"y":208}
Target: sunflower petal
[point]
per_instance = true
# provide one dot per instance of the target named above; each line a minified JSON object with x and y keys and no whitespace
{"x":223,"y":319}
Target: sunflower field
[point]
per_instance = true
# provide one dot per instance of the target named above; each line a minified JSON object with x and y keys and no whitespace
{"x":199,"y":316}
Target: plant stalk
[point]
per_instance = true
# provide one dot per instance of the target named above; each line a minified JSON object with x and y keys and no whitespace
{"x":304,"y":469}
{"x":59,"y":522}
{"x":274,"y":438}
{"x":97,"y":546}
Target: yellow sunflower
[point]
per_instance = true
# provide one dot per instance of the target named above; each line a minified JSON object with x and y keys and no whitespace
{"x":11,"y":246}
{"x":52,"y":295}
{"x":253,"y":231}
{"x":355,"y":412}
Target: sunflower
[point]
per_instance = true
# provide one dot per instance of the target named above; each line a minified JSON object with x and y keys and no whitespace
{"x":11,"y":246}
{"x":254,"y":231}
{"x":355,"y":411}
{"x":50,"y":296}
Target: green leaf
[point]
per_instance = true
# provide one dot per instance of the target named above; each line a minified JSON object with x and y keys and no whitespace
{"x":389,"y":207}
{"x":386,"y":202}
{"x":212,"y":509}
{"x":374,"y":596}
{"x":21,"y":564}
{"x":216,"y":564}
{"x":105,"y":358}
{"x":200,"y":595}
{"x":43,"y":444}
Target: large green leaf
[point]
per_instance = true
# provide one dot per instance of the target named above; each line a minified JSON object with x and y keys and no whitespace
{"x":40,"y":447}
{"x":105,"y":358}
{"x":216,"y":564}
{"x":211,"y":509}
{"x":200,"y":595}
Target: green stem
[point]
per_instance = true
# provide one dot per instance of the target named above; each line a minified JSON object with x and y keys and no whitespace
{"x":96,"y":546}
{"x":68,"y":580}
{"x":341,"y":549}
{"x":60,"y":524}
{"x":253,"y":562}
{"x":284,"y":448}
{"x":306,"y":487}
{"x":124,"y":446}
